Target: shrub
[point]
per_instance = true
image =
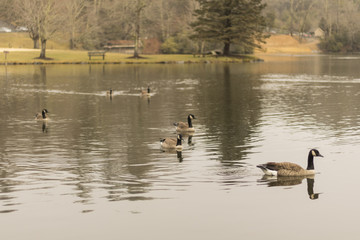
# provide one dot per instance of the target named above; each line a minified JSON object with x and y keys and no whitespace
{"x":169,"y":46}
{"x":331,"y":44}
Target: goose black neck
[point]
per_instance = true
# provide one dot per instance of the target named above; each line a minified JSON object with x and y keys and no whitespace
{"x":189,"y":122}
{"x":43,"y":113}
{"x":178,"y":142}
{"x":148,"y":90}
{"x":310,"y":165}
{"x":310,"y":186}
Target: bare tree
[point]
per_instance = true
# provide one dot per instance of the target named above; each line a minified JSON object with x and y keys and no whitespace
{"x":27,"y":14}
{"x":169,"y":17}
{"x":140,"y":5}
{"x":117,"y":19}
{"x":50,"y":20}
{"x":303,"y":14}
{"x":42,"y":18}
{"x":74,"y":20}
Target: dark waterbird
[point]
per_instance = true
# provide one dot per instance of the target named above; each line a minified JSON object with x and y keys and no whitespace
{"x":290,"y":169}
{"x":185,"y":127}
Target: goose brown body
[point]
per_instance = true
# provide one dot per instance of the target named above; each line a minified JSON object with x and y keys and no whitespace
{"x":290,"y":169}
{"x":185,"y":127}
{"x":182,"y":127}
{"x":172,"y":143}
{"x":145,"y":93}
{"x":109,"y":93}
{"x":43,"y":115}
{"x":286,"y":169}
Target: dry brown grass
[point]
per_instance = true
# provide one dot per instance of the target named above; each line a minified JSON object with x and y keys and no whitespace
{"x":22,"y":40}
{"x":288,"y":44}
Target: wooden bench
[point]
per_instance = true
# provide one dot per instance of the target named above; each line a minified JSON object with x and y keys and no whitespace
{"x":214,"y":53}
{"x":96,"y":53}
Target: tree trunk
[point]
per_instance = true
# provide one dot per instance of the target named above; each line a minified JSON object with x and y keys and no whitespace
{"x":162,"y":27}
{"x":226,"y":49}
{"x":36,"y":42}
{"x":139,"y":7}
{"x":202,"y":47}
{"x":35,"y":37}
{"x":72,"y":45}
{"x":137,"y":33}
{"x":72,"y":38}
{"x":43,"y":49}
{"x":291,"y":17}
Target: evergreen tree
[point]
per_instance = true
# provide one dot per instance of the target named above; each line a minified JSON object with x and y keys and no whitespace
{"x":230,"y":22}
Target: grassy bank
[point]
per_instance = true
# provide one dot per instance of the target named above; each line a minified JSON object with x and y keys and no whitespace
{"x":280,"y":44}
{"x":22,"y":40}
{"x":81,"y":57}
{"x":19,"y":46}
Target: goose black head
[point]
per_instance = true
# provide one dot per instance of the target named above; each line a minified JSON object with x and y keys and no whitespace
{"x":44,"y":112}
{"x":179,"y":139}
{"x":314,"y":196}
{"x":315,"y":153}
{"x":148,"y":89}
{"x":191,"y":116}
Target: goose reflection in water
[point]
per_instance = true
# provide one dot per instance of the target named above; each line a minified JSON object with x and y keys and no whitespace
{"x":44,"y":127}
{"x":179,"y":156}
{"x":173,"y":151}
{"x":145,"y":94}
{"x":273,"y":181}
{"x":109,"y":94}
{"x":189,"y":136}
{"x":190,"y":140}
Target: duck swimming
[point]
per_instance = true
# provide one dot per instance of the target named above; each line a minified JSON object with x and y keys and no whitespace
{"x":290,"y":169}
{"x":172,"y":143}
{"x":185,"y":127}
{"x":43,"y":115}
{"x":146,"y":92}
{"x":109,"y":93}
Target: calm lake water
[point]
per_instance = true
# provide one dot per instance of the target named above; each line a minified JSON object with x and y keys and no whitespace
{"x":96,"y":170}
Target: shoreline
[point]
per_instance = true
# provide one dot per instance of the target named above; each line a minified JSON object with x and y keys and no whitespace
{"x":277,"y":47}
{"x":128,"y":62}
{"x":30,"y":57}
{"x":21,"y":56}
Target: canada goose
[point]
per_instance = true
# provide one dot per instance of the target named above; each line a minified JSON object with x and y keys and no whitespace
{"x":172,"y":143}
{"x":43,"y":115}
{"x":290,"y":169}
{"x":185,"y":127}
{"x":145,"y":92}
{"x":109,"y":93}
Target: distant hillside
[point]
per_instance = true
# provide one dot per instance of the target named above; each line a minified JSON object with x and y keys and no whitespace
{"x":288,"y":44}
{"x":22,"y":40}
